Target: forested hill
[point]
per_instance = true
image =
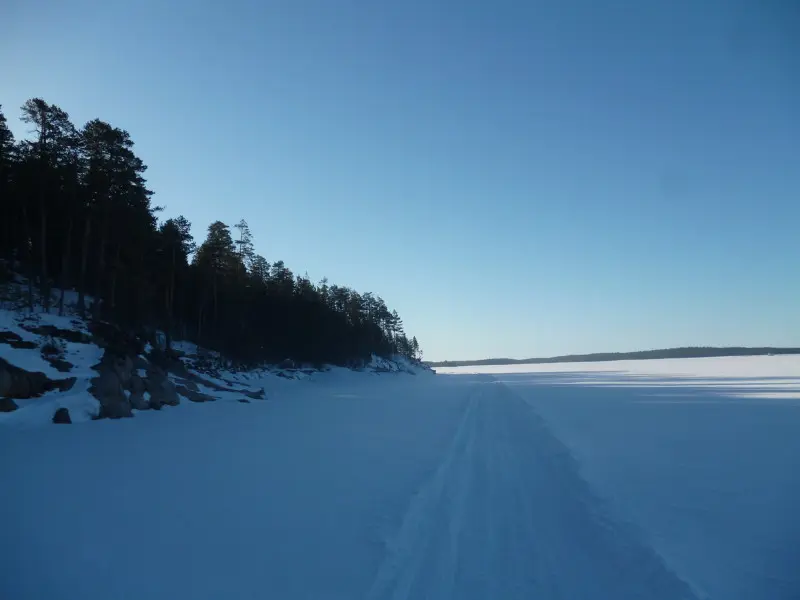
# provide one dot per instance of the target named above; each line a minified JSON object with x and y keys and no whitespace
{"x":77,"y":214}
{"x":689,"y":352}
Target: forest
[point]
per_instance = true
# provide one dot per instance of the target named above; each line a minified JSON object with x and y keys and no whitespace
{"x":77,"y":215}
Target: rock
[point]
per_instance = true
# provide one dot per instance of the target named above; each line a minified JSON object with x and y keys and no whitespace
{"x":255,"y":395}
{"x":189,"y":384}
{"x":64,"y":385}
{"x":244,"y":400}
{"x":15,"y":341}
{"x":59,"y":364}
{"x":286,"y":364}
{"x":7,"y":405}
{"x":161,"y":389}
{"x":109,"y":392}
{"x":138,"y":388}
{"x":62,"y":416}
{"x":138,"y":401}
{"x":123,"y":367}
{"x":136,"y":385}
{"x":70,"y":335}
{"x":19,"y":383}
{"x":193,"y":395}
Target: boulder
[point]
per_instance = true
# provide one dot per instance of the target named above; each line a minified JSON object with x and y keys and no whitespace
{"x":138,"y":388}
{"x":123,"y":367}
{"x":140,"y":363}
{"x":108,"y":390}
{"x":161,"y":389}
{"x":19,"y":383}
{"x":138,"y":401}
{"x":194,"y":396}
{"x":255,"y":394}
{"x":7,"y":405}
{"x":287,"y":363}
{"x":189,"y":384}
{"x":244,"y":400}
{"x":64,"y":385}
{"x":136,"y":385}
{"x":15,"y":341}
{"x":59,"y":364}
{"x":62,"y":416}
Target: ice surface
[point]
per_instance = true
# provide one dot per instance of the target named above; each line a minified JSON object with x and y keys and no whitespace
{"x":701,"y":455}
{"x":663,"y":480}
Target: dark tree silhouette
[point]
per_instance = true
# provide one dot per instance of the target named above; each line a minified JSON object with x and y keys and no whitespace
{"x":76,"y":213}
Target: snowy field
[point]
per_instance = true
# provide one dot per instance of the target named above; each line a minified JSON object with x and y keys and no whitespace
{"x":663,"y":480}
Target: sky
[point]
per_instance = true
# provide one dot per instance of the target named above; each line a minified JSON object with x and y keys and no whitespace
{"x":517,"y":178}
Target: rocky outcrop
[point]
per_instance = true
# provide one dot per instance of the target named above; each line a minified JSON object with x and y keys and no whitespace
{"x":7,"y":405}
{"x":108,"y":390}
{"x":137,"y":393}
{"x":19,"y":383}
{"x":69,"y":335}
{"x":59,"y":364}
{"x":62,"y":416}
{"x":255,"y":394}
{"x":194,"y":395}
{"x":119,"y":388}
{"x":161,"y":389}
{"x":15,"y":341}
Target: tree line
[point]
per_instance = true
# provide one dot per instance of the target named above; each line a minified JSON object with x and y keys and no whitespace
{"x":683,"y":352}
{"x":77,"y":215}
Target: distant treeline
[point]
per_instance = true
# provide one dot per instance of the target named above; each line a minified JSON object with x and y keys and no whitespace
{"x":689,"y":352}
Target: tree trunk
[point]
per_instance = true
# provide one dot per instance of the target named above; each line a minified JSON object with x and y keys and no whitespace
{"x":65,"y":262}
{"x":87,"y":228}
{"x":199,"y":324}
{"x":114,"y":273}
{"x":28,"y":251}
{"x":170,"y":301}
{"x":101,"y":262}
{"x":45,"y":284}
{"x":216,"y":311}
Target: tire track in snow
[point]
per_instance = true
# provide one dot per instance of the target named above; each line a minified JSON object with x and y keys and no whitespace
{"x":399,"y":570}
{"x":507,"y":515}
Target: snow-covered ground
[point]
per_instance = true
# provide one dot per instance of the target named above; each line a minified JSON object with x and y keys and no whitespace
{"x":701,"y":456}
{"x":654,"y":479}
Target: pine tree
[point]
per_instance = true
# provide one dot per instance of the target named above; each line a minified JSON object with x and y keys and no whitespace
{"x":244,"y":244}
{"x":76,"y":207}
{"x":7,"y":159}
{"x":217,"y":259}
{"x":50,"y":149}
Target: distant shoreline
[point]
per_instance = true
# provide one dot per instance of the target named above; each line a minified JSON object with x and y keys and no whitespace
{"x":687,"y":352}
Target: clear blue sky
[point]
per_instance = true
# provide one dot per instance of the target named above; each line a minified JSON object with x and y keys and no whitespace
{"x":516,"y":178}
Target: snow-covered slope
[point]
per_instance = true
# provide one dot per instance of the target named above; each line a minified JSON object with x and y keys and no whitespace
{"x":65,"y":350}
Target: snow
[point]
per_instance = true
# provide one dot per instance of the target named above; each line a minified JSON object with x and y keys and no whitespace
{"x":81,"y":356}
{"x":35,"y":412}
{"x":657,"y":480}
{"x":701,"y":455}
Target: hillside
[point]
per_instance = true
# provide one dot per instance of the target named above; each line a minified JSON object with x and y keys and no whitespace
{"x":66,"y":369}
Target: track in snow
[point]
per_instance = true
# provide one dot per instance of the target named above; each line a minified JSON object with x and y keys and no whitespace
{"x":351,"y":486}
{"x":506,"y":515}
